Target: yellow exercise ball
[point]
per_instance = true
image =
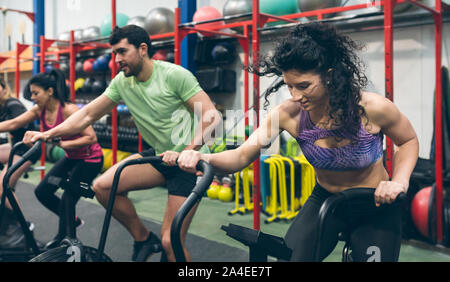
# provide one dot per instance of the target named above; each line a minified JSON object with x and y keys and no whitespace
{"x":107,"y":159}
{"x":78,"y":83}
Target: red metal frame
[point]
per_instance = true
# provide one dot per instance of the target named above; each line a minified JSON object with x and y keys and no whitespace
{"x":114,"y":111}
{"x":30,"y":15}
{"x":389,"y":72}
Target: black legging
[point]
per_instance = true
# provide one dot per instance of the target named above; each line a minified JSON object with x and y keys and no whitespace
{"x":375,"y":233}
{"x":79,"y":171}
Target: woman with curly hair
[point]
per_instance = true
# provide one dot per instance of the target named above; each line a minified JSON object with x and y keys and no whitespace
{"x":340,"y":129}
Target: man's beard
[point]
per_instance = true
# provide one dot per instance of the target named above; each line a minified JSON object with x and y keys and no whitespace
{"x":134,"y":70}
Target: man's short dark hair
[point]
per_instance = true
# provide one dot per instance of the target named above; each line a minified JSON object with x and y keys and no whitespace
{"x":135,"y":35}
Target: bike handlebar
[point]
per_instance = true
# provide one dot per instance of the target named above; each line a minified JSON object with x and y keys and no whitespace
{"x":196,"y":194}
{"x":13,"y":167}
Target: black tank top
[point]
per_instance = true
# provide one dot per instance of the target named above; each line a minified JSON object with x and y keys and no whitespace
{"x":12,"y":109}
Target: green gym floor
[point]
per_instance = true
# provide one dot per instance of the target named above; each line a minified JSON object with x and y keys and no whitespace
{"x":211,"y":214}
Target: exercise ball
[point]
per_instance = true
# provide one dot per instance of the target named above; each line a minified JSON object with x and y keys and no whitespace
{"x":278,"y":8}
{"x":91,"y":32}
{"x":78,"y":84}
{"x":237,"y":7}
{"x":79,"y":66}
{"x":64,"y":66}
{"x":248,"y":130}
{"x":419,"y":210}
{"x":138,"y":20}
{"x":104,"y":62}
{"x":87,"y":65}
{"x":99,"y":86}
{"x":107,"y":159}
{"x":48,"y":68}
{"x":78,"y":34}
{"x":223,"y":52}
{"x":160,"y":55}
{"x":170,"y":57}
{"x":207,"y":13}
{"x":57,"y":153}
{"x":110,"y":64}
{"x":101,"y":63}
{"x":121,"y":155}
{"x":311,"y":5}
{"x":87,"y":85}
{"x":160,"y":20}
{"x":63,"y":36}
{"x":105,"y":26}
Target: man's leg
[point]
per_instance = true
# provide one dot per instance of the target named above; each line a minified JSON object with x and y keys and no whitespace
{"x":174,"y":203}
{"x":134,"y":177}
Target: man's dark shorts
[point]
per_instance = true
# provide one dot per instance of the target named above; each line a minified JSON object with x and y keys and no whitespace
{"x":178,"y":182}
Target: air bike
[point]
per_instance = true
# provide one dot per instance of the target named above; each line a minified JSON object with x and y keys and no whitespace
{"x":32,"y":248}
{"x":71,"y":248}
{"x":262,"y":245}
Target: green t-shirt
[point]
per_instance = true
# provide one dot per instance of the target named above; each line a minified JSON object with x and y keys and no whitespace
{"x":158,"y":105}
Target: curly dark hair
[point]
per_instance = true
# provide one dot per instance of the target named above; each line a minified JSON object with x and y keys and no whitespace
{"x":320,"y":48}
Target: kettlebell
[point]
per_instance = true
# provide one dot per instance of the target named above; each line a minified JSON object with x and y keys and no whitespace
{"x":225,"y":193}
{"x":213,"y":191}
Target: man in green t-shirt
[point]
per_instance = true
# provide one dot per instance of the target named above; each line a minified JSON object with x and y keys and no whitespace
{"x":162,"y":98}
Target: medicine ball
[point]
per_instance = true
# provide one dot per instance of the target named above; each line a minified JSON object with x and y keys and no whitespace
{"x":160,"y":55}
{"x":98,"y":86}
{"x":48,"y":68}
{"x":79,"y":66}
{"x":87,"y":85}
{"x":223,"y":52}
{"x":101,"y":64}
{"x":87,"y":65}
{"x":423,"y":212}
{"x":170,"y":57}
{"x":64,"y":66}
{"x":79,"y":82}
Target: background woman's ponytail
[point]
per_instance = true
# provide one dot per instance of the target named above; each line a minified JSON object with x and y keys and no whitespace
{"x":60,"y":89}
{"x":54,"y":79}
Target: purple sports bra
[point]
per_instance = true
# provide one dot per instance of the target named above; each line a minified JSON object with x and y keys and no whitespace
{"x":362,"y":154}
{"x":91,"y":153}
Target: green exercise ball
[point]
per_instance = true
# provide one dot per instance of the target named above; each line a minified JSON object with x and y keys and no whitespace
{"x":57,"y":153}
{"x":248,"y":130}
{"x":105,"y":26}
{"x":278,"y":8}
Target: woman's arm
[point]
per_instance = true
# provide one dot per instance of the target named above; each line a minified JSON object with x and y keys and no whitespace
{"x":234,"y":160}
{"x":398,"y":128}
{"x":20,"y":121}
{"x":78,"y":121}
{"x":88,"y":135}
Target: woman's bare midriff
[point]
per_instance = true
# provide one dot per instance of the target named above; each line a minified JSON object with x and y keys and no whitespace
{"x":337,"y":181}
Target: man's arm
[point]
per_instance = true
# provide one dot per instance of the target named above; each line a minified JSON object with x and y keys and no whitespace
{"x":81,"y":119}
{"x":209,"y":118}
